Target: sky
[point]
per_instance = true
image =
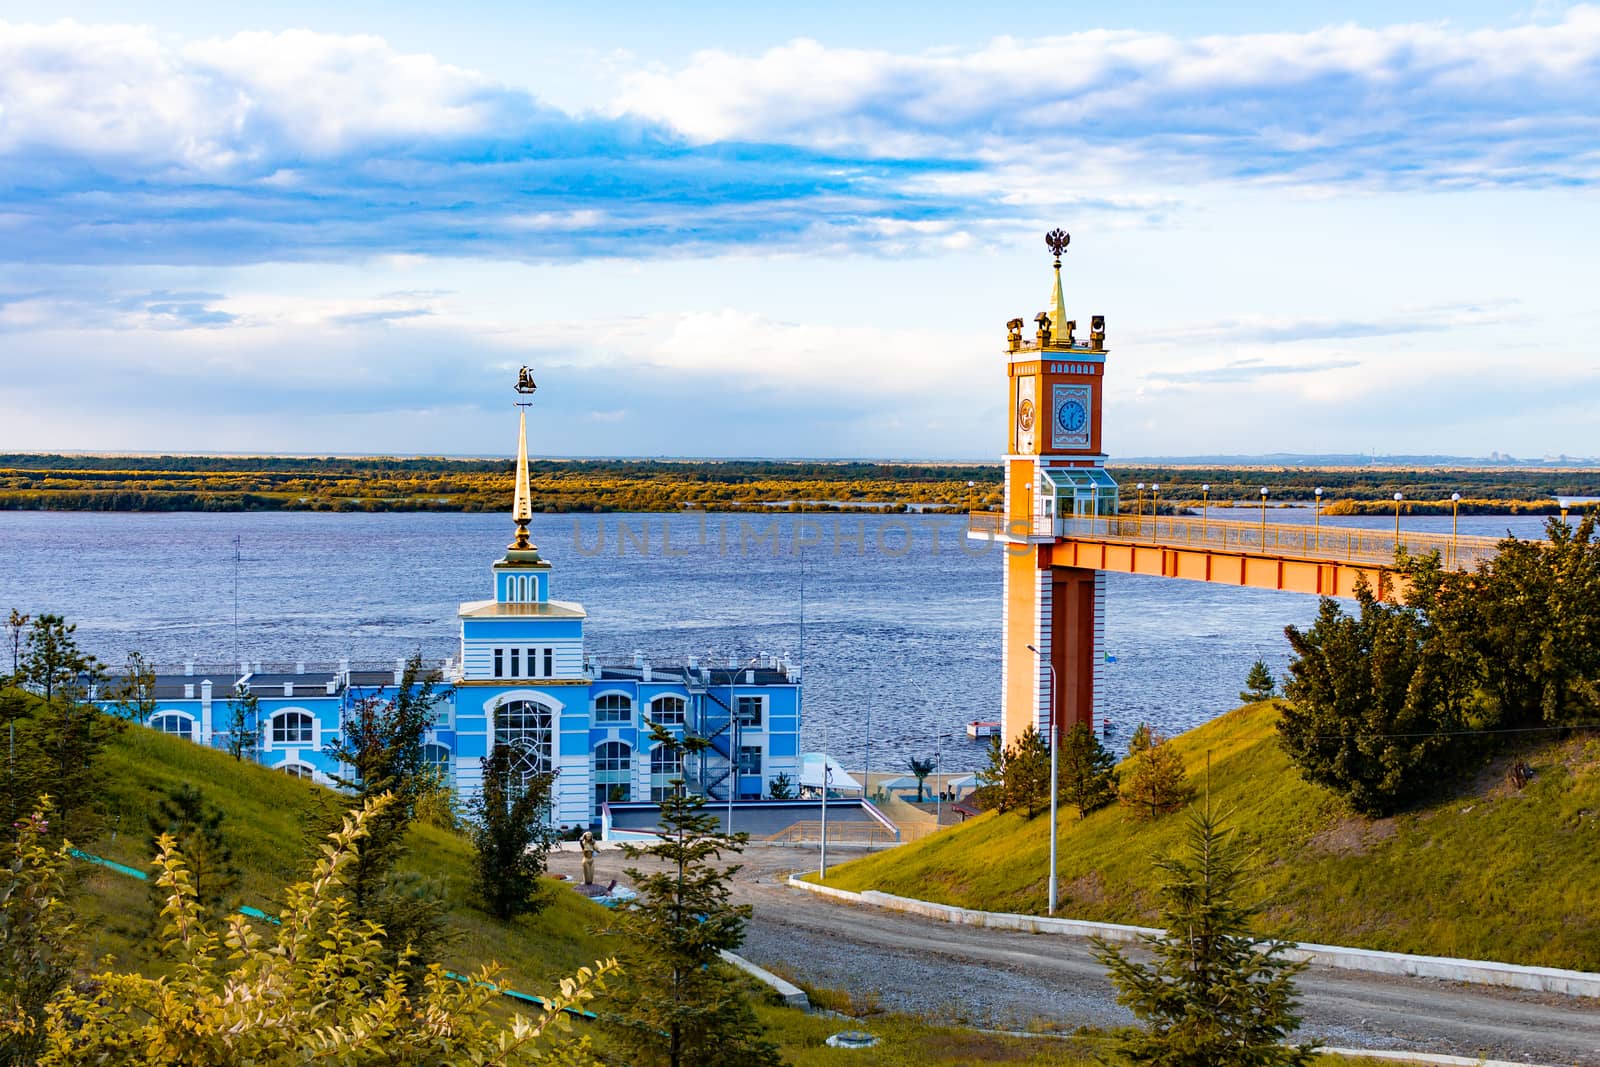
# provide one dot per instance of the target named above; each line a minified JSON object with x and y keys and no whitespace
{"x":747,"y":230}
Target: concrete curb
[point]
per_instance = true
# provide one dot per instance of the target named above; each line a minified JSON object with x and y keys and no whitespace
{"x":791,"y":994}
{"x":1474,"y":972}
{"x":1422,"y":1057}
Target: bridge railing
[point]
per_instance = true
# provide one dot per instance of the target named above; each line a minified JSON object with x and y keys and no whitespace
{"x":1342,"y":544}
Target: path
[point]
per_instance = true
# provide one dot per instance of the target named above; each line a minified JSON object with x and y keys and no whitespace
{"x":996,"y":978}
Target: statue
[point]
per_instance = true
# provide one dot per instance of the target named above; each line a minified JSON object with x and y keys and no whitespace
{"x":586,"y":843}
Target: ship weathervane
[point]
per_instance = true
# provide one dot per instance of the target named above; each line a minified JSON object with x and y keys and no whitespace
{"x":1057,"y":241}
{"x":525,"y":384}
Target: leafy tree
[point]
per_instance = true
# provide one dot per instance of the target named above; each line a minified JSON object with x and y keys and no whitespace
{"x":133,"y":693}
{"x":921,"y":768}
{"x":782,"y":787}
{"x":55,"y":665}
{"x":1088,"y":771}
{"x":318,"y":987}
{"x":1373,"y":703}
{"x":244,"y":723}
{"x":512,"y":835}
{"x":680,"y":1006}
{"x":38,"y":935}
{"x":195,"y":826}
{"x":16,"y":628}
{"x":1156,"y":782}
{"x":1212,"y":996}
{"x":1259,"y":684}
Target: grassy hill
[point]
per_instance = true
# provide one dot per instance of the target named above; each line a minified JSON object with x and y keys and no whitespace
{"x":265,"y":814}
{"x":1493,"y":874}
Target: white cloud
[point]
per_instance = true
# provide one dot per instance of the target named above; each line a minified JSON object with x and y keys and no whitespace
{"x":1490,"y":106}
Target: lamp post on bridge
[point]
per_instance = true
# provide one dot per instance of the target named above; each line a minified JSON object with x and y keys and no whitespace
{"x":1205,"y":501}
{"x":1263,"y":518}
{"x":1317,"y":492}
{"x":1138,"y":507}
{"x":1398,"y":497}
{"x":1155,"y":508}
{"x":1055,"y":791}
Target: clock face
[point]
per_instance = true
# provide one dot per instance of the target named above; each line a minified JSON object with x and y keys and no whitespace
{"x":1071,"y":415}
{"x":1025,"y":415}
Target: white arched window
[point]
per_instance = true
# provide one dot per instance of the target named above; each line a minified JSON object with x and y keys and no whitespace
{"x":668,"y":710}
{"x":527,"y":728}
{"x":613,"y":773}
{"x":293,"y":728}
{"x":613,"y":708}
{"x":175,"y":723}
{"x":297,"y":770}
{"x":666,"y":767}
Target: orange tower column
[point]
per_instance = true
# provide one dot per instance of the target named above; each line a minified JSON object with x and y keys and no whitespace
{"x":1055,"y":481}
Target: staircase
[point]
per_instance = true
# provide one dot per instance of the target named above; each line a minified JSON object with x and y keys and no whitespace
{"x":713,"y":724}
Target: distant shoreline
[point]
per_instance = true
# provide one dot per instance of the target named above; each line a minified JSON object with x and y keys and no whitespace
{"x":169,"y":483}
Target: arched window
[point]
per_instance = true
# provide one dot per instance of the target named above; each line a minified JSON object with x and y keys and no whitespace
{"x":613,"y":772}
{"x":436,"y":760}
{"x":666,"y":767}
{"x":613,"y":708}
{"x":526,"y":727}
{"x":293,"y":728}
{"x":668,"y":710}
{"x":173,"y":723}
{"x":297,"y":770}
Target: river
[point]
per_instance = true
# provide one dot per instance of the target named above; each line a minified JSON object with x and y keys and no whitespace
{"x":900,"y":613}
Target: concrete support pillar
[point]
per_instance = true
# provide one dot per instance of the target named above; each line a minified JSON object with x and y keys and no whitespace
{"x":1061,"y":612}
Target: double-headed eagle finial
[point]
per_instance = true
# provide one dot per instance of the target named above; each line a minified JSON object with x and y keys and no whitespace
{"x":1057,"y":241}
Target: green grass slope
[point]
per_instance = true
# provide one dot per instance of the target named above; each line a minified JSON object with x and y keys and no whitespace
{"x":1492,"y":874}
{"x":265,"y":816}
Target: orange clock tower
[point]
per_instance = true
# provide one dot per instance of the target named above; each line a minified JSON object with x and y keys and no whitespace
{"x":1055,"y":484}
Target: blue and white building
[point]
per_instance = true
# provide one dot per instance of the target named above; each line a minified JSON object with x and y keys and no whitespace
{"x":523,"y":679}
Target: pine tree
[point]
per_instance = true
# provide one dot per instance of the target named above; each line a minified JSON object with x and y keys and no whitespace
{"x":133,"y":693}
{"x":680,"y":1006}
{"x":54,"y":665}
{"x":1259,"y":684}
{"x":1028,"y":772}
{"x":992,"y":779}
{"x":1088,"y":771}
{"x":782,"y":787}
{"x":244,"y":724}
{"x":1155,"y":782}
{"x":511,"y":835}
{"x":196,"y":827}
{"x":16,"y":631}
{"x":1212,"y":996}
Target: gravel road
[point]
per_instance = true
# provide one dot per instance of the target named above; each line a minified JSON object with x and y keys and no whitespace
{"x":996,"y":978}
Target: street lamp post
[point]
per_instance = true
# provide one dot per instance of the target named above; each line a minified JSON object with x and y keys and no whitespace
{"x":822,"y":860}
{"x":938,"y":772}
{"x":1205,"y":502}
{"x":1455,"y":524}
{"x":1263,"y":518}
{"x":1317,"y":492}
{"x":1398,"y":497}
{"x":1155,"y":508}
{"x":1055,"y":791}
{"x":1138,"y":507}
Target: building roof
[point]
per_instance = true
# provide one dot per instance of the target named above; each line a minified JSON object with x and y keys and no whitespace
{"x":548,"y":609}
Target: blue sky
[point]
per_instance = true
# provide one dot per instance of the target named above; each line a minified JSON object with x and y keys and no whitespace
{"x":747,"y":230}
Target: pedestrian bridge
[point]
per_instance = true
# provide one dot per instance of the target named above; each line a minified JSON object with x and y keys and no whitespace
{"x":1318,"y":559}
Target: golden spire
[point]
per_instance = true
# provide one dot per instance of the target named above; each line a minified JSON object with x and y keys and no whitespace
{"x":522,"y":505}
{"x":1056,"y":241}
